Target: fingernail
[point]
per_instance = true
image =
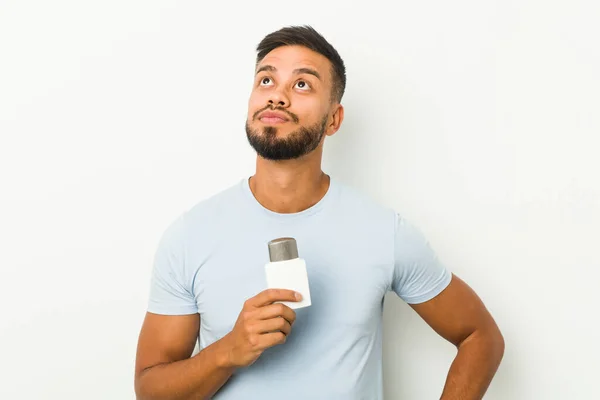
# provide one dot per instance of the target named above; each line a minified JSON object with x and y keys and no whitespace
{"x":298,"y":296}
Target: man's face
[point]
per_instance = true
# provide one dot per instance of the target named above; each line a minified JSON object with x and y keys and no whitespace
{"x":290,"y":104}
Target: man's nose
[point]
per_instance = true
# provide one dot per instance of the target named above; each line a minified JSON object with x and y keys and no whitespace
{"x":279,"y":99}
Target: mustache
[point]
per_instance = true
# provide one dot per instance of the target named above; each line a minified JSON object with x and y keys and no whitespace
{"x":292,"y":116}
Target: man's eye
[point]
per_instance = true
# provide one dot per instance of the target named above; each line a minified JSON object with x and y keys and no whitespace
{"x":266,"y":81}
{"x":303,"y":85}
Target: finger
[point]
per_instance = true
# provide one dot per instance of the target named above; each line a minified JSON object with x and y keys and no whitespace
{"x":270,"y":296}
{"x":277,"y":324}
{"x":276,"y":310}
{"x":271,"y":339}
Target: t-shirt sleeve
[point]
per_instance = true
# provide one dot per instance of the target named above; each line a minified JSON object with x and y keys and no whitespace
{"x":419,"y":275}
{"x":169,"y":292}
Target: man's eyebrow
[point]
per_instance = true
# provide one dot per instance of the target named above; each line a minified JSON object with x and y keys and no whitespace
{"x":269,"y":68}
{"x":297,"y":71}
{"x":307,"y":71}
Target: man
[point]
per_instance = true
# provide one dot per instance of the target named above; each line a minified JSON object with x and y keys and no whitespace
{"x":208,"y":280}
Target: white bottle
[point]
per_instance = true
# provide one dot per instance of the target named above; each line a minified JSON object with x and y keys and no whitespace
{"x":287,"y":271}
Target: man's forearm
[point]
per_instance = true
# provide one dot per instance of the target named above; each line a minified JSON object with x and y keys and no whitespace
{"x":198,"y":377}
{"x":474,"y":367}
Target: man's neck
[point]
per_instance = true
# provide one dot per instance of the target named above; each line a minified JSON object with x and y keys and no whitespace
{"x":288,"y":186}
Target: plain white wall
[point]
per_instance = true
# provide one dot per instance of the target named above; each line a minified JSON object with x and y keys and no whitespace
{"x":478,"y":120}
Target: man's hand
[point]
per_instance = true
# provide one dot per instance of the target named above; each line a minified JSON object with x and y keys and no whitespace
{"x":260,"y":325}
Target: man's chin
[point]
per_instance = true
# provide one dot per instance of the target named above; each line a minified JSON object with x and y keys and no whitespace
{"x":277,"y":144}
{"x":270,"y":131}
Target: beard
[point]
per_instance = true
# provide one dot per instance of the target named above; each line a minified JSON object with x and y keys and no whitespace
{"x":297,"y":143}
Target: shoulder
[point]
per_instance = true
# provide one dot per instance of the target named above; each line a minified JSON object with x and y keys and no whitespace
{"x":214,"y":206}
{"x":203,"y":217}
{"x":364,"y":207}
{"x":363,"y":210}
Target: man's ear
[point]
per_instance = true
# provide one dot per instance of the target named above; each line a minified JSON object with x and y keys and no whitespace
{"x":335,"y":121}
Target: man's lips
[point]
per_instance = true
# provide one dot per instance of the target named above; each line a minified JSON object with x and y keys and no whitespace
{"x":270,"y":117}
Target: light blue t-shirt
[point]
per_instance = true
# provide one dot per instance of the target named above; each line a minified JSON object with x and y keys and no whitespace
{"x":212,"y":259}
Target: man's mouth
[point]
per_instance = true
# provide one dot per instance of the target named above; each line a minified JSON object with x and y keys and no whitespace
{"x":270,"y":117}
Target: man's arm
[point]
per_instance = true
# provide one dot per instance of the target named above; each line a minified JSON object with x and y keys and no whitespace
{"x":164,"y":369}
{"x":458,"y":315}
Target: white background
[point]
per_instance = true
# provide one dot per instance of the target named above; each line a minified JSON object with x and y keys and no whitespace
{"x":477,"y":120}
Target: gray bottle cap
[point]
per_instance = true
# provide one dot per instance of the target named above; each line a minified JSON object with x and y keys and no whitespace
{"x":283,"y":249}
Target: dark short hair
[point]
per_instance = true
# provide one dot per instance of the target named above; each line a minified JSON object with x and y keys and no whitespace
{"x":308,"y":37}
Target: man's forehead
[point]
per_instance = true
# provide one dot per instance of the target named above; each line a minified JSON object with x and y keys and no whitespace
{"x":295,"y":58}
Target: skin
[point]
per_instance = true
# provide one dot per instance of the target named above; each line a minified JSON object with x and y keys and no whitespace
{"x":164,"y":368}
